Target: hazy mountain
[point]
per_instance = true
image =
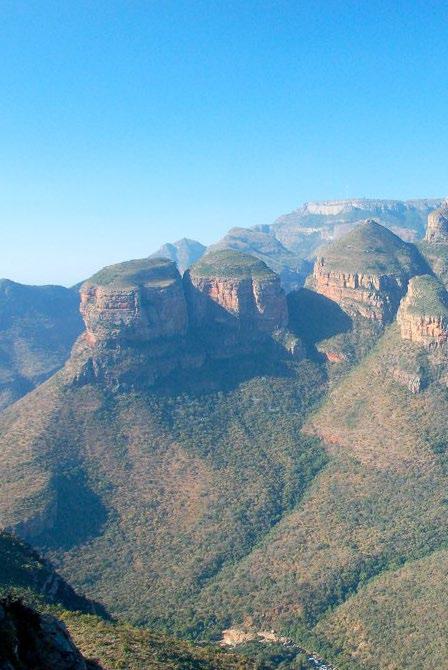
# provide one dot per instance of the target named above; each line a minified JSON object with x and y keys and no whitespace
{"x":184,"y":253}
{"x":38,"y":326}
{"x":216,"y":454}
{"x":293,"y":239}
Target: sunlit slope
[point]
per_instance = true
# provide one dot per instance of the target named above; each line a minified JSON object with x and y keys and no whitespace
{"x":144,"y":498}
{"x":397,"y":621}
{"x":380,"y":502}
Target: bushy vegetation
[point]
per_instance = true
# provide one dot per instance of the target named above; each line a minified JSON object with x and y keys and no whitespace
{"x":152,"y":271}
{"x":429,"y":297}
{"x":372,"y":249}
{"x":229,"y":263}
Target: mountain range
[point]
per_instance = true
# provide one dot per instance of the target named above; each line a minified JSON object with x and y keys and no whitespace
{"x":256,"y":444}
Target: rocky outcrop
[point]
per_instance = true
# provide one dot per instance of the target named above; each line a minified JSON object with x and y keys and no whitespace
{"x":366,"y":272}
{"x":236,"y":301}
{"x":136,"y":325}
{"x":374,"y":297}
{"x":29,"y":641}
{"x":137,"y":301}
{"x":423,"y":313}
{"x":437,"y":228}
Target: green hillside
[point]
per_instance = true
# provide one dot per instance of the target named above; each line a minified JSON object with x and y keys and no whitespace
{"x":371,"y":248}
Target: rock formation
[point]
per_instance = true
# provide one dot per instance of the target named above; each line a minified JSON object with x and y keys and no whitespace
{"x":237,"y":290}
{"x":134,"y":301}
{"x":437,"y":228}
{"x":29,"y":640}
{"x":366,"y":271}
{"x":236,"y":304}
{"x":138,"y":327}
{"x":136,"y":323}
{"x":423,"y":313}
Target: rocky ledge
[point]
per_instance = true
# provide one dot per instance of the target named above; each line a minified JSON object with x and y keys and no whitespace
{"x":139,"y":300}
{"x":423,"y":313}
{"x":366,"y":272}
{"x":238,"y":290}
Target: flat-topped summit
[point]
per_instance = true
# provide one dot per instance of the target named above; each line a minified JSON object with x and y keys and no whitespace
{"x":136,"y":300}
{"x":366,"y":271}
{"x":231,"y":264}
{"x":235,"y":289}
{"x":423,"y":313}
{"x":138,"y":272}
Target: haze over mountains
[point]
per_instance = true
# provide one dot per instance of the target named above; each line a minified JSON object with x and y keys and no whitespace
{"x":231,"y":449}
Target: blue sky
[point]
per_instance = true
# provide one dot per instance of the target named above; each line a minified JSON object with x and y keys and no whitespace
{"x":125,"y":124}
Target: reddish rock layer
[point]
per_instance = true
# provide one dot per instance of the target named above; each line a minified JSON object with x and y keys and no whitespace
{"x":148,"y":310}
{"x":374,"y":297}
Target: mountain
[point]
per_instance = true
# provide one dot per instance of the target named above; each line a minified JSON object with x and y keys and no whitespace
{"x":184,"y":253}
{"x":367,"y":270}
{"x":291,"y":268}
{"x":289,"y":245}
{"x":45,"y":624}
{"x":330,"y":219}
{"x":38,"y":326}
{"x":155,"y":458}
{"x":220,"y":458}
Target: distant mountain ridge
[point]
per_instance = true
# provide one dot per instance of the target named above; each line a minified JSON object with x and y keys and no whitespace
{"x":38,"y":326}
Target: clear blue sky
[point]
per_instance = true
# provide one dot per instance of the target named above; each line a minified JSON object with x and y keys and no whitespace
{"x":128,"y":123}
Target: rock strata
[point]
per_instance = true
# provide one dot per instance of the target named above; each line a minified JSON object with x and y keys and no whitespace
{"x":423,"y":313}
{"x":136,"y":321}
{"x":236,"y":303}
{"x":366,"y":272}
{"x":134,"y":301}
{"x":437,"y":228}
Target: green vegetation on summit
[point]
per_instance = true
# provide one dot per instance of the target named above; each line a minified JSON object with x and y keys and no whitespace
{"x":429,"y":297}
{"x":370,"y":248}
{"x":138,"y":272}
{"x":231,"y":264}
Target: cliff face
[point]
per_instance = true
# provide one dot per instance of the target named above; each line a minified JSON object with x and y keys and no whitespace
{"x":366,"y":272}
{"x":437,"y":228}
{"x":374,"y":297}
{"x":423,"y":313}
{"x":139,"y":301}
{"x":142,"y":322}
{"x":235,"y":300}
{"x":136,"y":321}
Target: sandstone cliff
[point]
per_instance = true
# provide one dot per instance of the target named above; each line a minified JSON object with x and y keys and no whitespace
{"x":138,"y":300}
{"x":237,"y":290}
{"x":366,"y":271}
{"x":423,"y":313}
{"x":136,"y":321}
{"x":236,"y":303}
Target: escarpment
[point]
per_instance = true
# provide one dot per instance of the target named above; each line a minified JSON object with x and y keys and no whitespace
{"x":423,"y":313}
{"x":142,"y":322}
{"x":134,"y":301}
{"x":366,"y":272}
{"x":136,"y":321}
{"x":238,"y":290}
{"x":237,"y":303}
